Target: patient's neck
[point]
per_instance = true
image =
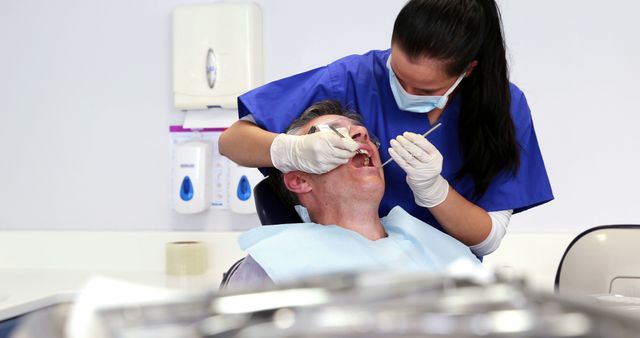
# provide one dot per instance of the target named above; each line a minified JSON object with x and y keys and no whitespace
{"x":361,"y":218}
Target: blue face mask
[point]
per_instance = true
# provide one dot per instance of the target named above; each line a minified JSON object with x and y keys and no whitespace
{"x":417,"y":103}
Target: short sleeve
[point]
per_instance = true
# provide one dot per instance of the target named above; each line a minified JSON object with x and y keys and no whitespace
{"x":530,"y":186}
{"x":276,"y":104}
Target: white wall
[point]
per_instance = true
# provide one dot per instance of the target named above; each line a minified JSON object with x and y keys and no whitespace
{"x":576,"y":60}
{"x":85,"y":101}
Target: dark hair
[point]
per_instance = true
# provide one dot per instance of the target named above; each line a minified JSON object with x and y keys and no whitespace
{"x":458,"y":32}
{"x":326,"y":107}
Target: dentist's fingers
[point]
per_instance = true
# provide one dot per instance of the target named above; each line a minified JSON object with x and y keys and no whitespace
{"x":400,"y":151}
{"x":343,"y":154}
{"x":347,"y":144}
{"x":396,"y":157}
{"x":421,"y":142}
{"x":412,"y":154}
{"x":405,"y":160}
{"x":315,"y":153}
{"x":412,"y":148}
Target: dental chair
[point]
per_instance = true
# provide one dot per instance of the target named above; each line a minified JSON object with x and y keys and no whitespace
{"x":603,"y":260}
{"x":271,"y":208}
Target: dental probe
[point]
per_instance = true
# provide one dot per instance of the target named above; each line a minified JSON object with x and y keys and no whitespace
{"x":423,"y":135}
{"x":336,"y":131}
{"x":325,"y":127}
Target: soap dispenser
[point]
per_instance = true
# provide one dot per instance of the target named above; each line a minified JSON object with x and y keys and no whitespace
{"x":192,"y":176}
{"x":242,"y":180}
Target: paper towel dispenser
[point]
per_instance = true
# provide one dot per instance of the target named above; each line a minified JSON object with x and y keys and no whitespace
{"x":217,"y":54}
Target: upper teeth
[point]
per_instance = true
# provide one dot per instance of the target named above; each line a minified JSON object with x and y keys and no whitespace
{"x":363,"y":152}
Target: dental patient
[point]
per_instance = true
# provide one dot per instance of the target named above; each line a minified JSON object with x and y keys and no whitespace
{"x":345,"y":233}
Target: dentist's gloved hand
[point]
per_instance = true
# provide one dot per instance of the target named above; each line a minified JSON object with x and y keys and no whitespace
{"x":422,"y":162}
{"x":315,"y":153}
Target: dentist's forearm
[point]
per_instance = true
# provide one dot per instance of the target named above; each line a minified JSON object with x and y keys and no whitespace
{"x":462,"y":219}
{"x":247,"y":144}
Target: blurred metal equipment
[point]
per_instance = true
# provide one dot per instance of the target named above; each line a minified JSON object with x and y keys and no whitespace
{"x":374,"y":305}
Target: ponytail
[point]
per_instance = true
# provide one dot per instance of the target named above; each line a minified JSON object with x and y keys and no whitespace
{"x":487,"y":132}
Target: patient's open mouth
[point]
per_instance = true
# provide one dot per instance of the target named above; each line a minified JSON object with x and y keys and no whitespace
{"x":362,"y":159}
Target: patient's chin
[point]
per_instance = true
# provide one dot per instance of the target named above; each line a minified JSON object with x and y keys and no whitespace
{"x":360,"y":183}
{"x":372,"y":190}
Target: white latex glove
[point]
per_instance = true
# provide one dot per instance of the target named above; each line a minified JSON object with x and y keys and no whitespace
{"x":315,"y":153}
{"x":422,"y":162}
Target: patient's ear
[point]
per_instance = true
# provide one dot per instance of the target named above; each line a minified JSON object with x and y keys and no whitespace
{"x":297,"y":181}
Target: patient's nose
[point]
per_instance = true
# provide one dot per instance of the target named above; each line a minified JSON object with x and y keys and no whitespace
{"x":359,"y":134}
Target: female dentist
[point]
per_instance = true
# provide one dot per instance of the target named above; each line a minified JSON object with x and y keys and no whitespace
{"x":446,"y":65}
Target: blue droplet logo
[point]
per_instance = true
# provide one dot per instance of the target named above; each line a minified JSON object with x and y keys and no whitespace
{"x":244,"y":188}
{"x":186,"y":189}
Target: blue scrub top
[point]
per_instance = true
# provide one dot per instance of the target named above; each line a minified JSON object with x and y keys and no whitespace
{"x":361,"y":83}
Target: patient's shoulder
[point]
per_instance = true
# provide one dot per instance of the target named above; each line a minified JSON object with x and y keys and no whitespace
{"x":249,"y":274}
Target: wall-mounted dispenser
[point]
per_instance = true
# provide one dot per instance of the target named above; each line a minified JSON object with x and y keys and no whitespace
{"x":217,"y":54}
{"x":242,"y":180}
{"x":192,"y":182}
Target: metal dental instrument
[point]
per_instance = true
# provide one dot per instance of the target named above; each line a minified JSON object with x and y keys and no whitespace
{"x":336,"y":131}
{"x":324,"y":127}
{"x":423,"y":135}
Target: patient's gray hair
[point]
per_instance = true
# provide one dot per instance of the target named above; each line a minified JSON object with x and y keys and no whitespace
{"x":321,"y":108}
{"x":326,"y":107}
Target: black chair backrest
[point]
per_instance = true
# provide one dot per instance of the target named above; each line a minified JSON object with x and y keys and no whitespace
{"x":269,"y":206}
